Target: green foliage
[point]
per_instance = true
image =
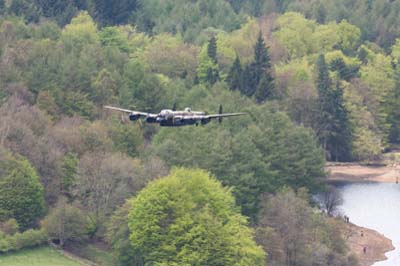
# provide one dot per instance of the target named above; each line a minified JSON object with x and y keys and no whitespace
{"x":187,"y":218}
{"x":118,"y":237}
{"x":253,"y":154}
{"x":65,"y":223}
{"x":21,"y":193}
{"x":17,"y":241}
{"x":69,"y":171}
{"x":298,"y":235}
{"x":333,"y":128}
{"x":186,"y":18}
{"x":113,"y":37}
{"x":114,"y":12}
{"x":44,"y":256}
{"x":234,"y":78}
{"x":207,"y":70}
{"x":393,"y":118}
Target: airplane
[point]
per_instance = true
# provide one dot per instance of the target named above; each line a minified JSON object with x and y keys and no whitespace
{"x":173,"y":118}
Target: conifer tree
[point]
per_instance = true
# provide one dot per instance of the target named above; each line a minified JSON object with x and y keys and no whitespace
{"x":212,"y":72}
{"x":333,"y":127}
{"x":234,"y":78}
{"x":250,"y":81}
{"x":212,"y":49}
{"x":265,"y":89}
{"x":262,"y":71}
{"x":340,"y":144}
{"x":324,"y":110}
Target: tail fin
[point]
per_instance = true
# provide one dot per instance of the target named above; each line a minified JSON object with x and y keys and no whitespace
{"x":220,"y":112}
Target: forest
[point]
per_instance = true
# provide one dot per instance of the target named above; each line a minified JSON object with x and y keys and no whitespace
{"x":320,"y":81}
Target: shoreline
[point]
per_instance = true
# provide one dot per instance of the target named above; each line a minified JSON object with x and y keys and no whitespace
{"x":376,"y":244}
{"x":351,"y":172}
{"x":358,"y":237}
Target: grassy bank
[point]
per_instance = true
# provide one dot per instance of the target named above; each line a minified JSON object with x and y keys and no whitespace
{"x":44,"y":256}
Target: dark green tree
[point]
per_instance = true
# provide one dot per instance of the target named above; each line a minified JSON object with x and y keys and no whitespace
{"x":332,"y":124}
{"x":212,"y":49}
{"x":21,"y":194}
{"x":265,"y":88}
{"x":62,"y":11}
{"x":257,"y":77}
{"x":234,"y":78}
{"x":341,"y":139}
{"x":345,"y":72}
{"x":26,"y":9}
{"x":212,"y":72}
{"x":114,"y":12}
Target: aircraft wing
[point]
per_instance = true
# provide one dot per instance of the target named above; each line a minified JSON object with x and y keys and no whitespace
{"x":128,"y":111}
{"x":224,"y":115}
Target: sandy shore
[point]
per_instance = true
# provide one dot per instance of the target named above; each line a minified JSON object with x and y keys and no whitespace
{"x":360,"y":173}
{"x":376,"y":244}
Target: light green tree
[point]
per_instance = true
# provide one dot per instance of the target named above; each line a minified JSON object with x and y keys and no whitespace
{"x":188,"y":218}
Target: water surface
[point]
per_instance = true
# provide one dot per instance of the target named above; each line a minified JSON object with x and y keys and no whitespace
{"x":375,"y":206}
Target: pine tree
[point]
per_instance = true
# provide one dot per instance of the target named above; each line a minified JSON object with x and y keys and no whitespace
{"x":263,"y":80}
{"x":324,"y":110}
{"x":212,"y":49}
{"x":345,"y":72}
{"x":333,"y":127}
{"x":250,"y":81}
{"x":234,"y":78}
{"x":265,"y":89}
{"x":212,"y":72}
{"x":341,"y":139}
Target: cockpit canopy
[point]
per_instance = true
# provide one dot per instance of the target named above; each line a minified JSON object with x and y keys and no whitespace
{"x":188,"y":110}
{"x":165,"y":112}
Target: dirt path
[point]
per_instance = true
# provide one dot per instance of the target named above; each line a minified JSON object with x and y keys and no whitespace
{"x":375,"y":244}
{"x":360,"y":173}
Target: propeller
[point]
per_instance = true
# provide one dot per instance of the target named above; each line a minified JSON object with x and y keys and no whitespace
{"x":174,"y":107}
{"x":220,"y":112}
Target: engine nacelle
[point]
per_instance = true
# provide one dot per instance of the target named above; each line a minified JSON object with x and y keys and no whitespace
{"x":151,"y":119}
{"x":133,"y":117}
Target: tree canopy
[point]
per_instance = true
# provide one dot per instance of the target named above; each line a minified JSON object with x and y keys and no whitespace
{"x":188,"y":218}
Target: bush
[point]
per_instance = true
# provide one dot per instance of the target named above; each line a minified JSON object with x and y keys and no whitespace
{"x":27,"y":239}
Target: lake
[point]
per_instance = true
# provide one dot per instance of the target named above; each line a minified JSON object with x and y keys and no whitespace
{"x":375,"y":206}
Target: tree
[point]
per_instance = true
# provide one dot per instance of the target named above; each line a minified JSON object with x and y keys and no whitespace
{"x":69,"y":172}
{"x":207,"y":70}
{"x":393,"y":118}
{"x":103,"y":182}
{"x":188,"y":218}
{"x":234,"y":78}
{"x":212,"y":49}
{"x":331,"y":199}
{"x":332,"y":128}
{"x":65,"y":223}
{"x":345,"y":72}
{"x":292,"y":233}
{"x":114,"y":12}
{"x":25,"y":9}
{"x":118,"y":237}
{"x":257,"y":77}
{"x":21,"y":194}
{"x":265,"y":89}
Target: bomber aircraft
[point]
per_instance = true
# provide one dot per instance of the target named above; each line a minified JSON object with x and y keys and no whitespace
{"x":173,"y":118}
